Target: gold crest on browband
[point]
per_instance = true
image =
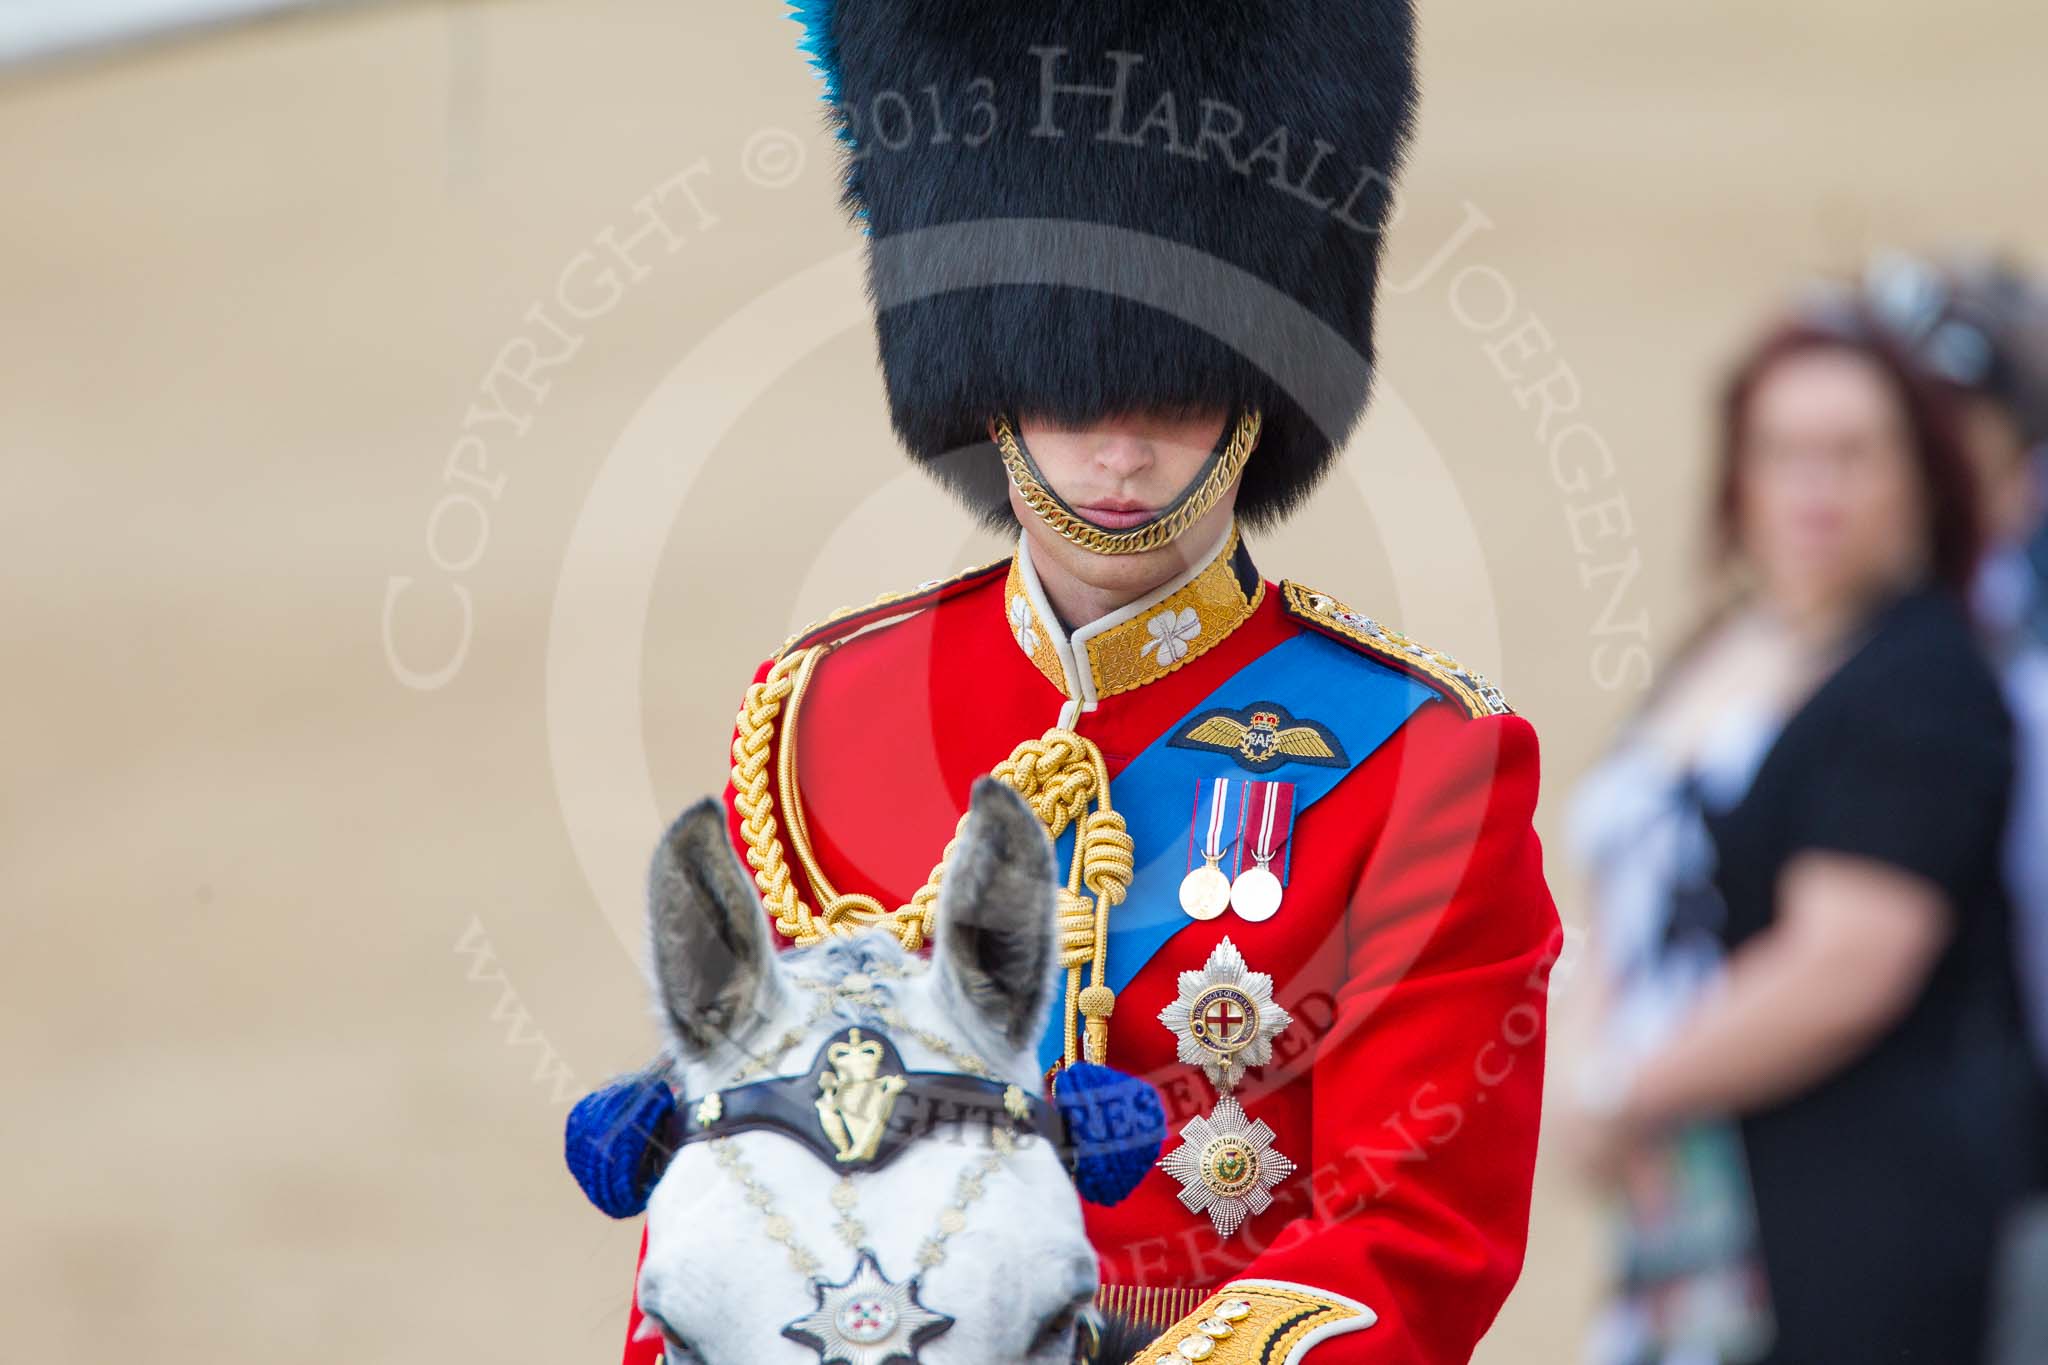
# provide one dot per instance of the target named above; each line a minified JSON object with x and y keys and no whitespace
{"x":855,"y":1099}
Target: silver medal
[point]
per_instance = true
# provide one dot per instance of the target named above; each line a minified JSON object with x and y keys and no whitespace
{"x":1255,"y":895}
{"x":1205,"y":892}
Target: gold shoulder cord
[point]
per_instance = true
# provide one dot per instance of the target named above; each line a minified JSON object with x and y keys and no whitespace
{"x":1060,"y":775}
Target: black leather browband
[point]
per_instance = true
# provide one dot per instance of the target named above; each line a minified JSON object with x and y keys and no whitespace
{"x":857,"y":1109}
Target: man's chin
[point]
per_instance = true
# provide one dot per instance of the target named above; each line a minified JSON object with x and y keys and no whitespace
{"x":1135,"y":574}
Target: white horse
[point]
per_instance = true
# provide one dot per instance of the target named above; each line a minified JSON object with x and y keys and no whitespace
{"x":813,"y":1218}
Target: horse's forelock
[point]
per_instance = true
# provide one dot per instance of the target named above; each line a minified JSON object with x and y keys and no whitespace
{"x":873,"y":952}
{"x":875,"y":955}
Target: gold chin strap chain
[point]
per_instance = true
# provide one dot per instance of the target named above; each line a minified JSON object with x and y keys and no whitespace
{"x":1060,"y":775}
{"x":1193,"y":505}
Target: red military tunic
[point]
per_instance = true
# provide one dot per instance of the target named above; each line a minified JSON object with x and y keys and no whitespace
{"x":1411,"y":949}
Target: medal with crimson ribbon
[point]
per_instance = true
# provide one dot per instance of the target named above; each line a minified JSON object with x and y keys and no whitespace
{"x":1268,"y":815}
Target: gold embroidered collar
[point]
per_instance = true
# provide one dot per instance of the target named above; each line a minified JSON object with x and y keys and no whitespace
{"x":1136,"y":644}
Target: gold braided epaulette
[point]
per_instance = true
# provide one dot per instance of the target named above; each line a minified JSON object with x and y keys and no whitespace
{"x":1257,"y":1322}
{"x":887,"y":607}
{"x":1322,"y":612}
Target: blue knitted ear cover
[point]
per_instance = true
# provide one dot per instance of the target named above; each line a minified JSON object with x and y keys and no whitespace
{"x":1116,"y":1125}
{"x":609,"y":1142}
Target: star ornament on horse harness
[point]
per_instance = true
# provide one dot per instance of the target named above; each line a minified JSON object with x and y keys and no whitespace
{"x":1224,"y":1019}
{"x":1226,"y":1166}
{"x":867,"y":1320}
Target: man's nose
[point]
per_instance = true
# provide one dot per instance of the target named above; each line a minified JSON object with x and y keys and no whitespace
{"x":1123,"y":456}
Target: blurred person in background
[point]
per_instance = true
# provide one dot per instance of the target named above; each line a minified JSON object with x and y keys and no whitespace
{"x":1979,"y":327}
{"x":1689,"y":1278}
{"x":1803,"y":928}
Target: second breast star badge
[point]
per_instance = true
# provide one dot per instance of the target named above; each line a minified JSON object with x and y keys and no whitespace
{"x":1226,"y":1166}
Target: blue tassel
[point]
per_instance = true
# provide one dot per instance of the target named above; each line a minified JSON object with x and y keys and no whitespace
{"x":1117,"y":1126}
{"x":607,"y":1138}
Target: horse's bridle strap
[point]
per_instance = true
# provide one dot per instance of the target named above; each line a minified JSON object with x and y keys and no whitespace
{"x":857,"y":1109}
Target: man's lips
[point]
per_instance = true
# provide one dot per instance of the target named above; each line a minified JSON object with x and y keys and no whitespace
{"x":1116,"y":516}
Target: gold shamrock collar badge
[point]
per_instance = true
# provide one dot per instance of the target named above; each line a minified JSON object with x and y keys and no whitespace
{"x":1141,"y":642}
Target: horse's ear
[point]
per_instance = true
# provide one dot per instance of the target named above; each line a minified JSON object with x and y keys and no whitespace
{"x":714,"y":967}
{"x":996,"y":940}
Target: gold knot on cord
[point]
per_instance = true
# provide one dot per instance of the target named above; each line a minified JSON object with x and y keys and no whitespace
{"x":1076,"y":925}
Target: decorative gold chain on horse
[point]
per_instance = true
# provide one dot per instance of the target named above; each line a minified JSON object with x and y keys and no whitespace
{"x":970,"y":1187}
{"x":1060,"y":775}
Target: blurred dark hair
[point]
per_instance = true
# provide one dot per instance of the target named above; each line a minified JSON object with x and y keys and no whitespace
{"x":1976,"y":322}
{"x":1933,"y":432}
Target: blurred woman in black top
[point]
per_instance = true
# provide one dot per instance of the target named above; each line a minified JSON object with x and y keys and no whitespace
{"x":1865,"y":1028}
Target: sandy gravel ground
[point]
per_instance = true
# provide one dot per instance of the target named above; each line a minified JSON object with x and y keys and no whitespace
{"x":300,"y":965}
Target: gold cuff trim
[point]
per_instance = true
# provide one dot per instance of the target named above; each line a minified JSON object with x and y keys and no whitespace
{"x":1156,"y":1309}
{"x":1257,"y":1322}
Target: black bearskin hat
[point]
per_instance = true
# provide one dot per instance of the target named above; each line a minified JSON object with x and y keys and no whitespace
{"x":1079,"y":208}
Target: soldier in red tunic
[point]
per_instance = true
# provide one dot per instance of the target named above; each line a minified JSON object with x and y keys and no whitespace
{"x":1123,"y":256}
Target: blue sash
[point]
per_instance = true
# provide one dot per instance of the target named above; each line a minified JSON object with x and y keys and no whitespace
{"x":1360,"y":701}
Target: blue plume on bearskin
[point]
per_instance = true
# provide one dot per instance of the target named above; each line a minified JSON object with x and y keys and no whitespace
{"x":610,"y":1142}
{"x":1116,"y":1125}
{"x":821,"y":51}
{"x":816,"y":44}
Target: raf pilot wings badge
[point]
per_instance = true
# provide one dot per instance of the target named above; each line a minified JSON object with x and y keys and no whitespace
{"x":1262,"y":737}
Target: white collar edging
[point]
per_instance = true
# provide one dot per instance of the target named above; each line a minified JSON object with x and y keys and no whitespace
{"x":1072,"y":651}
